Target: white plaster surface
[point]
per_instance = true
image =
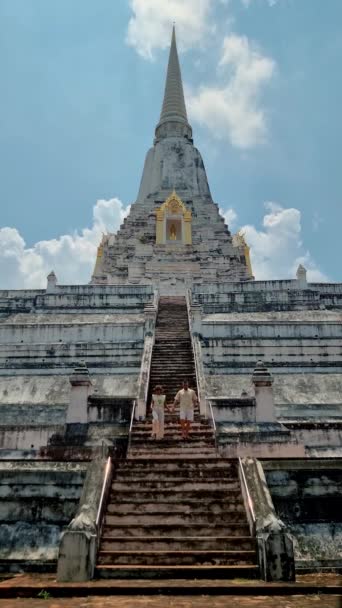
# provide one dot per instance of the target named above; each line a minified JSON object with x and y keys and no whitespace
{"x":301,"y":389}
{"x":78,"y":318}
{"x":300,"y":316}
{"x":55,"y":390}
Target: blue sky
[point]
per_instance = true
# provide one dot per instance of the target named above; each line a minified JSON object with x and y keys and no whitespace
{"x":81,"y":91}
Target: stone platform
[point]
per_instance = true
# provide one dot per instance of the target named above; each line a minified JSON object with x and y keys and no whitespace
{"x":188,"y":602}
{"x":30,"y":585}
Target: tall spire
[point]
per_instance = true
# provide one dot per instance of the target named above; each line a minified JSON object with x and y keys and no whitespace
{"x":173,"y":116}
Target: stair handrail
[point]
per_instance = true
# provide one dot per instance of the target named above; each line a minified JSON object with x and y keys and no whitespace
{"x":188,"y":307}
{"x":248,"y":496}
{"x":103,"y":499}
{"x":131,"y":425}
{"x":213,"y":423}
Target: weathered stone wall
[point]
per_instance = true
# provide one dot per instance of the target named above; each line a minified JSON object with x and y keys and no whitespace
{"x":38,"y":500}
{"x":44,"y":335}
{"x":263,"y":296}
{"x":297,"y":334}
{"x":86,"y":298}
{"x":287,"y":342}
{"x":307,"y":496}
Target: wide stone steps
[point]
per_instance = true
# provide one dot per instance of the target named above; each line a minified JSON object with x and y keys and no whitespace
{"x":137,"y":454}
{"x":170,"y":543}
{"x":138,"y":476}
{"x":175,"y":509}
{"x":196,"y":430}
{"x":160,"y":362}
{"x":176,"y":485}
{"x":177,"y":446}
{"x":171,"y":388}
{"x":177,"y":572}
{"x":172,"y":417}
{"x":173,"y":442}
{"x":172,"y":493}
{"x":173,"y":425}
{"x":164,"y":558}
{"x":164,"y":346}
{"x":235,"y":529}
{"x":209,"y":507}
{"x":177,"y":519}
{"x":174,"y":377}
{"x":199,"y":466}
{"x":186,"y":450}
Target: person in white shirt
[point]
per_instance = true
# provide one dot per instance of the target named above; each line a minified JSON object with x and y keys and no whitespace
{"x":187,"y":399}
{"x":158,"y":413}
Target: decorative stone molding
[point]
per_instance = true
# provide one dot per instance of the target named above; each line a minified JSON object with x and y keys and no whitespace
{"x":51,"y":282}
{"x":301,"y":277}
{"x":81,"y":387}
{"x":240,"y":242}
{"x":173,"y":222}
{"x":263,"y":381}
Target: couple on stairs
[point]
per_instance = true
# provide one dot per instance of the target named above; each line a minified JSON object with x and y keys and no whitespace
{"x":186,"y":398}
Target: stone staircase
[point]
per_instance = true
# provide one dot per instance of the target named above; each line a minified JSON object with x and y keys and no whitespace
{"x":172,"y":357}
{"x":175,"y":509}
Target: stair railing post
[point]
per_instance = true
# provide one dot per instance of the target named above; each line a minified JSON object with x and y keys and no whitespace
{"x":150,"y":313}
{"x":131,"y":425}
{"x":213,"y":424}
{"x":194,"y":319}
{"x":273,"y":541}
{"x":80,"y":541}
{"x":247,"y":499}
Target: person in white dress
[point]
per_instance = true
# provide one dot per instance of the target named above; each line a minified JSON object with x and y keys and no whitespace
{"x":158,"y":412}
{"x":187,"y":399}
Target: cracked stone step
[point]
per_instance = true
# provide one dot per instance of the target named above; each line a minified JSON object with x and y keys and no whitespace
{"x":182,"y":475}
{"x":176,"y":442}
{"x":170,"y":543}
{"x":178,"y":485}
{"x":135,"y":455}
{"x":190,"y":506}
{"x":126,"y":530}
{"x":176,"y":557}
{"x":225,"y":572}
{"x":180,"y":465}
{"x":171,"y":494}
{"x":178,"y":519}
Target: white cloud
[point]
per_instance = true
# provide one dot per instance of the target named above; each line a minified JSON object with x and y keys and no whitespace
{"x":233,"y":110}
{"x":230,"y":217}
{"x":277,"y":249}
{"x":71,"y":256}
{"x":247,"y":3}
{"x":149,"y":27}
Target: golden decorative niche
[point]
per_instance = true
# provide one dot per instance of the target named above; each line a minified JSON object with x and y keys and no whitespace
{"x":173,"y":222}
{"x":240,"y":241}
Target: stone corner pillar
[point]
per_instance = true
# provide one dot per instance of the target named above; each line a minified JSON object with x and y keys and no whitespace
{"x":301,"y":277}
{"x":150,"y":315}
{"x":81,"y":387}
{"x":263,"y":381}
{"x":51,"y":282}
{"x":77,"y":556}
